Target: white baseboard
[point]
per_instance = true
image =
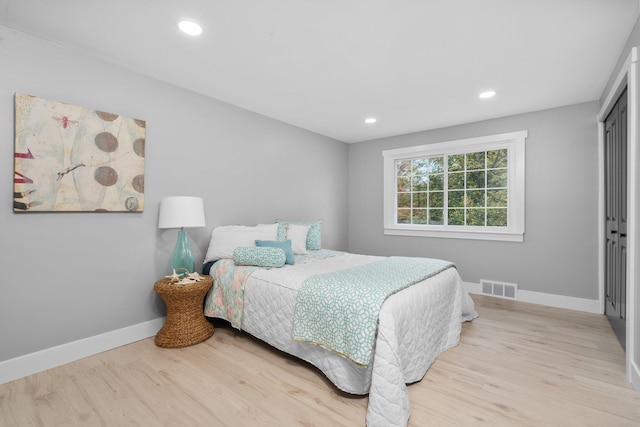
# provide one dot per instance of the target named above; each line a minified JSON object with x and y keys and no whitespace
{"x":39,"y":361}
{"x":552,"y":300}
{"x":29,"y":364}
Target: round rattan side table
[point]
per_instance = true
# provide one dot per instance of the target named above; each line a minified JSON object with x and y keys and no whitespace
{"x":185,"y":324}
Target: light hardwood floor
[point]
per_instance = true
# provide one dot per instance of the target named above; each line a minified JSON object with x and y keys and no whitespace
{"x":517,"y":364}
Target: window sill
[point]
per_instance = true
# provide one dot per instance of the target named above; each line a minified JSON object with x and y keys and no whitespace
{"x":499,"y":236}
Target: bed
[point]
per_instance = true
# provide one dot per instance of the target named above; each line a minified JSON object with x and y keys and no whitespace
{"x":414,"y":324}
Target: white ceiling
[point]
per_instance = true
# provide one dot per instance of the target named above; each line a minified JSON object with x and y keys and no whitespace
{"x":326,"y":65}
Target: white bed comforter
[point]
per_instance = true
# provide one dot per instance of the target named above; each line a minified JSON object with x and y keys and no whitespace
{"x":415,"y":326}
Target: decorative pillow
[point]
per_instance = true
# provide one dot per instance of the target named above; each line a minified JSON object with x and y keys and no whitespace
{"x":225,"y":239}
{"x":259,"y":256}
{"x":285,"y":246}
{"x":298,"y":236}
{"x":314,"y":237}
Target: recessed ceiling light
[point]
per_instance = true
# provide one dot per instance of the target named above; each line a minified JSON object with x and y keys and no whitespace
{"x":487,"y":94}
{"x":370,"y":120}
{"x":190,"y":27}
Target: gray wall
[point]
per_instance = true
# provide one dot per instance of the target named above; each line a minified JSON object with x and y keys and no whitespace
{"x":560,"y":250}
{"x":632,"y":41}
{"x":68,"y":276}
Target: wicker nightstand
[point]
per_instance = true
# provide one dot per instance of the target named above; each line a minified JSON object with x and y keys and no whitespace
{"x":185,"y":324}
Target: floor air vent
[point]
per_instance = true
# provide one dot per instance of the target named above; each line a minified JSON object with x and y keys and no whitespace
{"x":499,"y":289}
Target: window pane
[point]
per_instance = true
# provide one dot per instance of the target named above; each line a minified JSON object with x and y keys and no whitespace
{"x":456,"y":199}
{"x":420,"y":166}
{"x":404,"y":200}
{"x":497,"y":198}
{"x":435,"y":216}
{"x":436,"y":164}
{"x":497,"y":217}
{"x":475,"y":179}
{"x":419,"y":216}
{"x":436,"y":199}
{"x":497,"y":159}
{"x":475,"y":160}
{"x":436,"y":182}
{"x":419,"y":200}
{"x":475,"y":217}
{"x":456,"y":217}
{"x":456,"y":162}
{"x":475,"y":199}
{"x":404,"y":216}
{"x":420,"y":183}
{"x":456,"y":181}
{"x":403,"y":167}
{"x":497,"y":178}
{"x":403,"y":184}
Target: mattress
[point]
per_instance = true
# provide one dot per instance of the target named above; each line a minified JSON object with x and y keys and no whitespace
{"x":415,"y":325}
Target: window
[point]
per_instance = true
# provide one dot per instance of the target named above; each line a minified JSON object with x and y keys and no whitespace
{"x":471,"y":188}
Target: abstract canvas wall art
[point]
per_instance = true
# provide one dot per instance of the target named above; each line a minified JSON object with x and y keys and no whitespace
{"x":72,"y":159}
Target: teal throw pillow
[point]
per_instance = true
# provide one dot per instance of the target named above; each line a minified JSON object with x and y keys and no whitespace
{"x":266,"y":257}
{"x":285,"y":246}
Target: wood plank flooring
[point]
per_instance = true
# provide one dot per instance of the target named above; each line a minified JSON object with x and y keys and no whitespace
{"x":517,"y":364}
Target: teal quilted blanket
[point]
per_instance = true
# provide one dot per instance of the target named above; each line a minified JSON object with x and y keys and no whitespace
{"x":339,"y":310}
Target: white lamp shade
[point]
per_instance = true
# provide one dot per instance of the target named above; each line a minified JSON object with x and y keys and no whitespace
{"x":181,"y":211}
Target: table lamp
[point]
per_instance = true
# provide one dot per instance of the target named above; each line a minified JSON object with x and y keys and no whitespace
{"x":182,"y":212}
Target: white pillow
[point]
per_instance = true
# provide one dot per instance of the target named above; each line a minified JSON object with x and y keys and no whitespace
{"x":298,"y":236}
{"x":225,"y":239}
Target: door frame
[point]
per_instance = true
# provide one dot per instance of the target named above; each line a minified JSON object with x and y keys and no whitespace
{"x":627,"y":77}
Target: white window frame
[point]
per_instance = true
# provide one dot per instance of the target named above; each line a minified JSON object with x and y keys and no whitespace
{"x":514,"y":232}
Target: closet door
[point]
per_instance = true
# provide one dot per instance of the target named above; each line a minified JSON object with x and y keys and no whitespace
{"x":616,"y":216}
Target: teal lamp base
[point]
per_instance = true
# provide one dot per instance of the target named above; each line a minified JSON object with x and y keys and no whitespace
{"x":182,"y":256}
